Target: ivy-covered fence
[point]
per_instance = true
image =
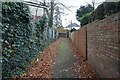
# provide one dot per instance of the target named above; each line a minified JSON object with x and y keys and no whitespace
{"x":21,"y":40}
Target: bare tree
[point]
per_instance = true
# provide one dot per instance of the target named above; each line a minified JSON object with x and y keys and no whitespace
{"x":56,"y":6}
{"x":50,"y":9}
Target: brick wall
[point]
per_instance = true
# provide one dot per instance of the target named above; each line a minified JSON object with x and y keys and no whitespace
{"x":103,"y":46}
{"x":103,"y":43}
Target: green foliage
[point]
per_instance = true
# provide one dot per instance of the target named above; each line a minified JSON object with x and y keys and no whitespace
{"x":85,"y":19}
{"x":41,"y":24}
{"x":21,"y":40}
{"x":111,"y":8}
{"x":15,"y":38}
{"x":83,"y":10}
{"x":86,"y":14}
{"x":39,"y":29}
{"x":105,"y":9}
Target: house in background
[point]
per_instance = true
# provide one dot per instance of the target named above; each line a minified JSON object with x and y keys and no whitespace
{"x":63,"y":33}
{"x":73,"y":25}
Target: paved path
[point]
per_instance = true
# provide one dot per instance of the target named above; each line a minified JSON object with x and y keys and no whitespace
{"x":64,"y":61}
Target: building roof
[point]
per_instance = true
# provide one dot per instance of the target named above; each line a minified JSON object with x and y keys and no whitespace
{"x":73,"y":25}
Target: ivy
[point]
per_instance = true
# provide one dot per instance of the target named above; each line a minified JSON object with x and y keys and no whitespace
{"x":21,"y":39}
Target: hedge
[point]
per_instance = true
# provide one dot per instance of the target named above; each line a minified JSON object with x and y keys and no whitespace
{"x":21,"y":39}
{"x":102,"y":11}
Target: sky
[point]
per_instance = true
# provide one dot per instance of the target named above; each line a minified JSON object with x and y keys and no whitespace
{"x":71,"y":17}
{"x":66,"y":19}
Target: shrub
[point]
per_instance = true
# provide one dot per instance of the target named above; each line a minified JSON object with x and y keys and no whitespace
{"x":21,"y":40}
{"x":85,"y":19}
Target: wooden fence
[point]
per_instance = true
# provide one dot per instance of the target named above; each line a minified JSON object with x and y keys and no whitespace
{"x":79,"y":39}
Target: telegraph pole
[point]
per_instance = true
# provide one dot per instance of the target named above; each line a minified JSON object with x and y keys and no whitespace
{"x":58,"y":17}
{"x":71,"y":24}
{"x":51,"y":14}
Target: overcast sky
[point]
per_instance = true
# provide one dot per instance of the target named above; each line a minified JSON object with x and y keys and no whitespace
{"x":76,"y":3}
{"x":66,"y":19}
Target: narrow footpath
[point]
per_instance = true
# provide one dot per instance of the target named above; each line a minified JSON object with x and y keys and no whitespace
{"x":64,"y":61}
{"x":60,"y":60}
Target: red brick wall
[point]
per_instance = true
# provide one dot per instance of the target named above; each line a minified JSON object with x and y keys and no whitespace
{"x":103,"y":46}
{"x":103,"y":43}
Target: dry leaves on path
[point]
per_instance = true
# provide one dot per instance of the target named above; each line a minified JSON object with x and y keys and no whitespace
{"x":42,"y":66}
{"x":81,"y":67}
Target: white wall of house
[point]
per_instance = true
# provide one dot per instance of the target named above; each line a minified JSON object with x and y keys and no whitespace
{"x":33,"y":11}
